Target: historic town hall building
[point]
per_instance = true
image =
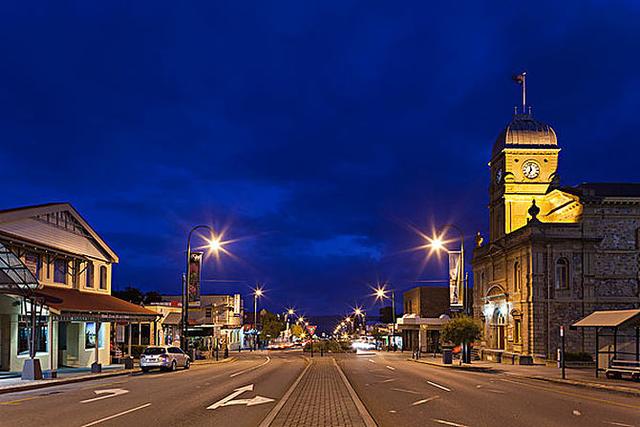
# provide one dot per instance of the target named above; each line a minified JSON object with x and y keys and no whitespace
{"x":554,"y":253}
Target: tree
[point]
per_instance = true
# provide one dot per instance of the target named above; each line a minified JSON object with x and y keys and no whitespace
{"x":271,"y":325}
{"x":461,"y":330}
{"x":131,"y":294}
{"x":151,"y":297}
{"x":296,"y":330}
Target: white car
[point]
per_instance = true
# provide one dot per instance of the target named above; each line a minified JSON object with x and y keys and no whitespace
{"x":167,"y":358}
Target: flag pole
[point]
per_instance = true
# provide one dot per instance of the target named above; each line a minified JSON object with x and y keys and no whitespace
{"x":524,"y":92}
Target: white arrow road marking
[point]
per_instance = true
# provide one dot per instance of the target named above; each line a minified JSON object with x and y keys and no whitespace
{"x":112,"y":392}
{"x":229,"y":400}
{"x":441,"y":387}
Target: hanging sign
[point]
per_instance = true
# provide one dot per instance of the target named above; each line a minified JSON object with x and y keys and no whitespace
{"x":456,"y":286}
{"x":195,"y":268}
{"x":312,"y":329}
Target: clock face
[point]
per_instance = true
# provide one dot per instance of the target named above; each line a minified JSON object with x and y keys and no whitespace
{"x":498,"y":176}
{"x":531,"y":169}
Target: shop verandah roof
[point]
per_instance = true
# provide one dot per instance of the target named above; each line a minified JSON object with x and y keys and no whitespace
{"x":73,"y":305}
{"x":15,"y":277}
{"x":610,"y":319}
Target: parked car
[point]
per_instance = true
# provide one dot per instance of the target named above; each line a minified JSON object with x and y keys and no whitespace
{"x":167,"y":358}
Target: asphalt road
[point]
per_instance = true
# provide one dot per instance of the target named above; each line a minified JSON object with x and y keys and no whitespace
{"x":395,"y":391}
{"x":398,"y":392}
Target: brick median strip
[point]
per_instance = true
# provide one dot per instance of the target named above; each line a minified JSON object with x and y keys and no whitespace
{"x":323,"y":397}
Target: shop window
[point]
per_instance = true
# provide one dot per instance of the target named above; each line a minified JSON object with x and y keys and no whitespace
{"x":103,"y":277}
{"x":562,"y":274}
{"x":42,"y":334}
{"x":60,"y":271}
{"x":88,"y":274}
{"x":517,"y":331}
{"x":90,"y":335}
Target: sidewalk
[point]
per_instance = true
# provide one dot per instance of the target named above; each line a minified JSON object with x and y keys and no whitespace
{"x":322,"y":398}
{"x":576,"y":377}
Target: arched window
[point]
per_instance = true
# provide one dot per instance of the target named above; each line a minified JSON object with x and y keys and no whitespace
{"x":562,"y":274}
{"x":517,"y":276}
{"x":103,"y":277}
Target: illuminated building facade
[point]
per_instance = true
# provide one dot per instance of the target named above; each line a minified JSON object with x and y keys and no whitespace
{"x":554,"y":254}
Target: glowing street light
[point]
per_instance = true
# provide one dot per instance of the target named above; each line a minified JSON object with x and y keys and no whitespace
{"x":257,"y":293}
{"x":381,"y":294}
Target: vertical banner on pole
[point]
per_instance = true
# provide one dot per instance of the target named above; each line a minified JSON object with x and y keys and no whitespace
{"x":195,"y":268}
{"x":456,"y":281}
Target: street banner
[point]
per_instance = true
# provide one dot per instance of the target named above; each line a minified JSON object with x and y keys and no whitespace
{"x":312,"y":329}
{"x":195,"y":268}
{"x":456,"y":285}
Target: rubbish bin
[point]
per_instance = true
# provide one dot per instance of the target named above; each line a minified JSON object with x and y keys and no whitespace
{"x":128,"y":362}
{"x":447,"y":356}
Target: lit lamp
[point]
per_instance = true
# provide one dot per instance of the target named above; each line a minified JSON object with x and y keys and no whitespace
{"x":381,"y":295}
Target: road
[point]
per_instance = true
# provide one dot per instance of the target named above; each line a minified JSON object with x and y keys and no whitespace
{"x":394,"y":391}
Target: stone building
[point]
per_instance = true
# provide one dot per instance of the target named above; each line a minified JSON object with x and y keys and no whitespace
{"x":554,"y":254}
{"x":425,"y":312}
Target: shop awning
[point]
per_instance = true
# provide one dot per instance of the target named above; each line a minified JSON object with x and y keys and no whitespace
{"x":15,"y":277}
{"x":610,"y":318}
{"x":73,"y":305}
{"x":172,"y":319}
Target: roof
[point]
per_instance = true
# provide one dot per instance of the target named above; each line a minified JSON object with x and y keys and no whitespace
{"x":610,"y":318}
{"x":525,"y":132}
{"x":14,"y":275}
{"x":599,"y":190}
{"x":72,"y":304}
{"x":36,"y":225}
{"x":172,"y":319}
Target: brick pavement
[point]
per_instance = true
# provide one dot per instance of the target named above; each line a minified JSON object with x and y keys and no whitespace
{"x":321,"y":399}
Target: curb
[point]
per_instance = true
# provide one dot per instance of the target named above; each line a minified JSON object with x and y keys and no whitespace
{"x":470,"y":368}
{"x":584,"y":384}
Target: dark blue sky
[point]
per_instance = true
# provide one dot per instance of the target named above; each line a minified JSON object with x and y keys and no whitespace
{"x":318,"y":131}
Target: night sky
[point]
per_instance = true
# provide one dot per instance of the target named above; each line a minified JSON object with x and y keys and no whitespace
{"x":318,"y":133}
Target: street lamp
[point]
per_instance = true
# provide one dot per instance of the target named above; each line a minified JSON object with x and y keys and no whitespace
{"x":215,"y":244}
{"x":290,"y":312}
{"x":381,"y":294}
{"x":438,"y":244}
{"x":358,"y":312}
{"x":257,"y":293}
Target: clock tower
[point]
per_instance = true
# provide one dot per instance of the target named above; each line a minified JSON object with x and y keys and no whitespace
{"x":523,"y":165}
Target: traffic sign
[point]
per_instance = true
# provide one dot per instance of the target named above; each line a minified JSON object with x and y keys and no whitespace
{"x":312,"y":329}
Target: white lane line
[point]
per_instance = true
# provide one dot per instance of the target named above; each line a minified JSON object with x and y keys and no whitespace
{"x":613,"y":423}
{"x":495,"y":391}
{"x":576,"y":413}
{"x":420,"y":402}
{"x":448,"y":423}
{"x":441,"y":387}
{"x":119,"y":414}
{"x":372,"y":361}
{"x":389,"y":380}
{"x":250,"y":369}
{"x":391,"y":368}
{"x":404,"y":390}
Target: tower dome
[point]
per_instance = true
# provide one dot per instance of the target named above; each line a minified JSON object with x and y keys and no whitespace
{"x":525,"y":132}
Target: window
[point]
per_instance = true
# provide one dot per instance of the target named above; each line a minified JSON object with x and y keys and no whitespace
{"x":60,"y":271}
{"x":562,"y":274}
{"x":103,"y":277}
{"x":517,"y":331}
{"x":153,"y":351}
{"x":88,"y":274}
{"x":33,"y":263}
{"x":90,"y":336}
{"x":517,"y":276}
{"x":42,"y":334}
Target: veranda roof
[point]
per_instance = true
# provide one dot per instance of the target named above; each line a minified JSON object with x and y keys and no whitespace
{"x":610,"y":318}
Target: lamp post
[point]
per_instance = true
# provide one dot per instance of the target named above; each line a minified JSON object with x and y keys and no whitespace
{"x":257,"y":293}
{"x":290,"y":312}
{"x":438,"y":244}
{"x":215,"y":245}
{"x":381,"y":294}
